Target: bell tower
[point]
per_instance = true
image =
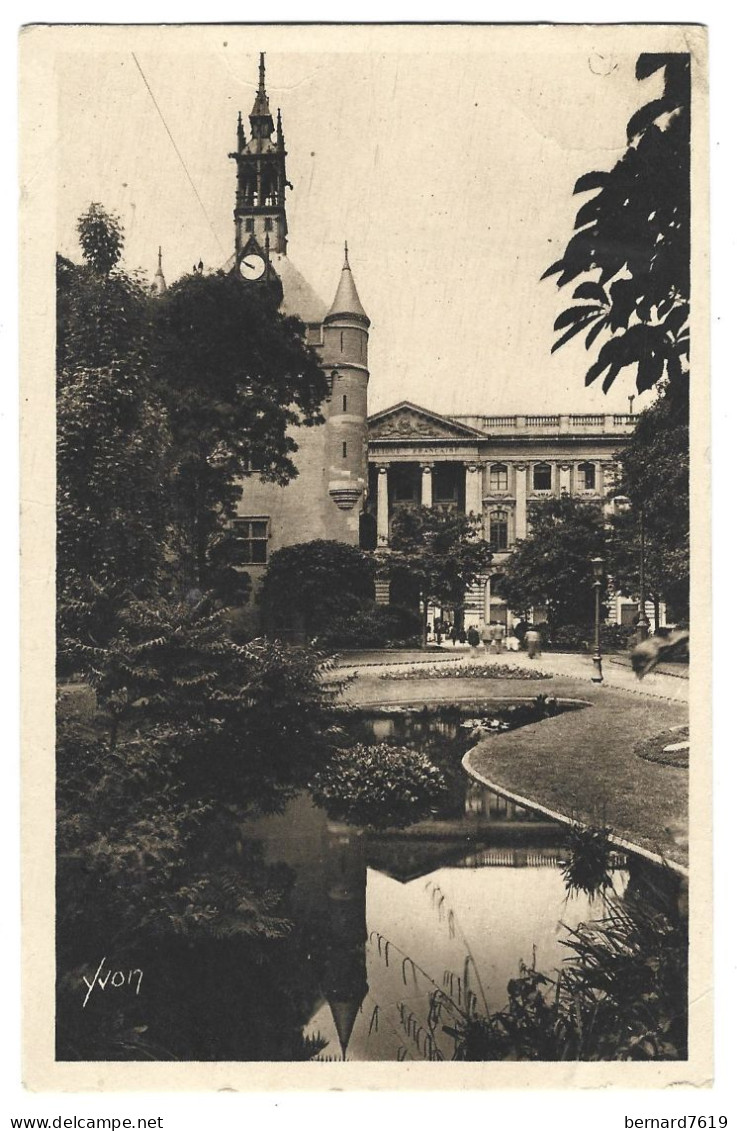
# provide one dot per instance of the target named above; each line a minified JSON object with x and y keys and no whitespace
{"x":260,"y":208}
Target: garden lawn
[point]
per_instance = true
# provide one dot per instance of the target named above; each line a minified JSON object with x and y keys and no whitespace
{"x":581,"y":764}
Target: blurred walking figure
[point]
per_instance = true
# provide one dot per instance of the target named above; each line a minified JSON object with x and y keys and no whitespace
{"x":532,"y":642}
{"x":497,"y":635}
{"x":473,"y":637}
{"x":486,"y":636}
{"x":453,"y":634}
{"x":656,"y":650}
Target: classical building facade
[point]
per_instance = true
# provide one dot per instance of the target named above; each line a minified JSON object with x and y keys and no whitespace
{"x":354,"y":471}
{"x":492,"y":467}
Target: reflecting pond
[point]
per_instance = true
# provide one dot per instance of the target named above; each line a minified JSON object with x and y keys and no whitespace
{"x":442,"y":912}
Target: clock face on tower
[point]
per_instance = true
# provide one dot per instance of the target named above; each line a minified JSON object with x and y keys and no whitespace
{"x":252,"y":266}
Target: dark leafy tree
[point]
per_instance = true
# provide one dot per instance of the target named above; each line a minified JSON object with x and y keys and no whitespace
{"x":114,"y":454}
{"x":654,"y":475}
{"x":237,"y":380}
{"x":552,"y":566}
{"x":101,"y":238}
{"x":305,"y":586}
{"x":439,"y":553}
{"x":629,"y":255}
{"x":194,"y":734}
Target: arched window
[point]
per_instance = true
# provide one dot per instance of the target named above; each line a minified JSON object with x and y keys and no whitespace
{"x":498,"y":478}
{"x":586,"y":477}
{"x":499,"y":530}
{"x":542,"y":477}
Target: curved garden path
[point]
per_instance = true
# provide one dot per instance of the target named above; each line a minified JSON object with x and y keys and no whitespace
{"x":580,"y":765}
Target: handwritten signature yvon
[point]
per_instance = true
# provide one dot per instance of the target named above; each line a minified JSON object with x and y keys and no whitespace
{"x":116,"y":979}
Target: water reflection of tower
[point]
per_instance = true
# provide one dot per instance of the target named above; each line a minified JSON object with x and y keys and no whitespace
{"x":344,"y":981}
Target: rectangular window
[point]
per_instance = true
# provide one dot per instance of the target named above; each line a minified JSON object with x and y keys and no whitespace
{"x":586,"y":477}
{"x":268,"y":224}
{"x":249,"y":224}
{"x":499,"y":531}
{"x":541,"y":477}
{"x":445,"y":483}
{"x":498,"y":480}
{"x":253,"y":534}
{"x":345,"y":403}
{"x":345,"y":450}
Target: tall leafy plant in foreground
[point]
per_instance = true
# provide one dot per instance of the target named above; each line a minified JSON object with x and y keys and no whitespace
{"x":630,"y":253}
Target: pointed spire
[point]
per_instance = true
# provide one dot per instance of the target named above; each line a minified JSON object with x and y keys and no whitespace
{"x":159,"y":283}
{"x":346,"y":302}
{"x":262,"y":123}
{"x":241,"y":133}
{"x":279,"y":131}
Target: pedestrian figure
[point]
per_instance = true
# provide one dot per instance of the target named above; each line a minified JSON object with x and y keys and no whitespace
{"x":462,"y":635}
{"x":453,"y":634}
{"x":532,"y":642}
{"x":497,"y":635}
{"x":473,"y":637}
{"x":655,"y":650}
{"x":486,"y":636}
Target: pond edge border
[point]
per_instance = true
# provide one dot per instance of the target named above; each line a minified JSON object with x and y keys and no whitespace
{"x":518,"y":799}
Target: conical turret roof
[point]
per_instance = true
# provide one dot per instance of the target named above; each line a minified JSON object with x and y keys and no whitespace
{"x":346,"y":302}
{"x":344,"y":1016}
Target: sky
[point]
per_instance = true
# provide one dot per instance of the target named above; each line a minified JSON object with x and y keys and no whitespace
{"x":445,"y":157}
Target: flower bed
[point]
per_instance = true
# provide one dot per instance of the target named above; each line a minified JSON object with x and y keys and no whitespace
{"x":469,"y":671}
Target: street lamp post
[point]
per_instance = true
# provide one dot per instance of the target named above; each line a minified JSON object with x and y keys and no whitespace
{"x":643,"y":624}
{"x":598,"y":568}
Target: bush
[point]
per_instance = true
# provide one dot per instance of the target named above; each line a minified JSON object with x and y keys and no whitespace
{"x":580,"y":637}
{"x":306,"y":585}
{"x":368,"y":625}
{"x":380,"y":786}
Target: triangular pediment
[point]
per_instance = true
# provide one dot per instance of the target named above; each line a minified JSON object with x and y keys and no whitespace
{"x":407,"y":421}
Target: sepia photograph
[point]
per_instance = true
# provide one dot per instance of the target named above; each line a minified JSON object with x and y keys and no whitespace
{"x":360,"y":706}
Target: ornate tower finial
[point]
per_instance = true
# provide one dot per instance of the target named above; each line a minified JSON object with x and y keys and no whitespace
{"x":346,"y":264}
{"x":262,"y":179}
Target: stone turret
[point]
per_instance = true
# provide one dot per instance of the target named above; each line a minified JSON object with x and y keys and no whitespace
{"x":345,"y":359}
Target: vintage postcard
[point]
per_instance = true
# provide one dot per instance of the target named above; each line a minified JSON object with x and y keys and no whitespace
{"x":366,"y":553}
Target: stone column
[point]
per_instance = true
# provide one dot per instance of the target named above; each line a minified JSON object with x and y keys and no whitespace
{"x":598,"y":478}
{"x":520,"y":509}
{"x":382,"y":507}
{"x":565,"y":478}
{"x":473,"y":489}
{"x":426,"y":485}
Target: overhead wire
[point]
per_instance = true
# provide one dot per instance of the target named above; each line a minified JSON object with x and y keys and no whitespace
{"x":178,"y":153}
